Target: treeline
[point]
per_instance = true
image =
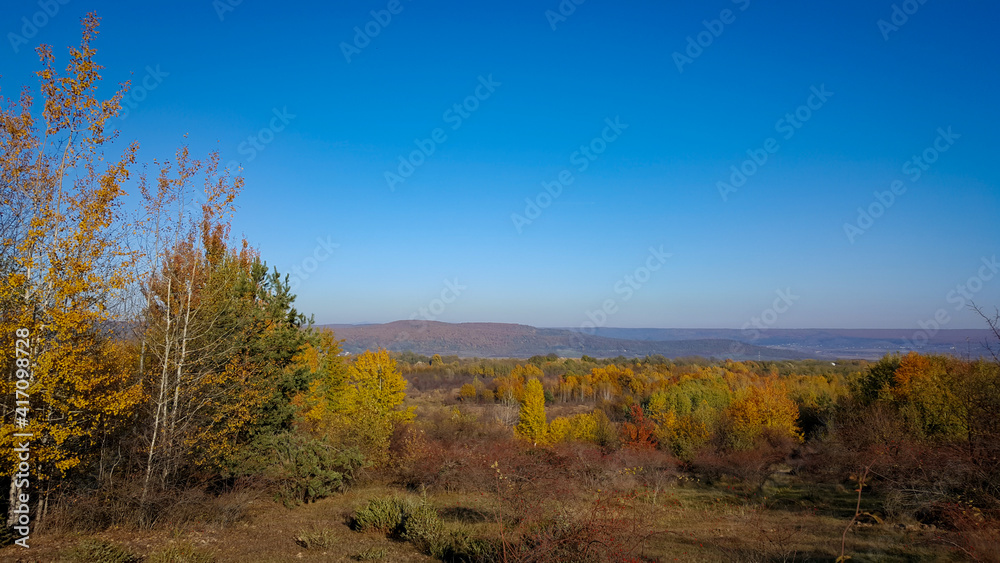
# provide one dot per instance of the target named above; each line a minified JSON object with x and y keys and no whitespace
{"x":921,"y":427}
{"x":145,"y":351}
{"x":915,"y":435}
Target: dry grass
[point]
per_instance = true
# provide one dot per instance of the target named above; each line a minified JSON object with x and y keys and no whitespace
{"x":691,"y":522}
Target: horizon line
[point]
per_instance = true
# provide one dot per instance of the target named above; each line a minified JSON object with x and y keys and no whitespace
{"x":576,"y":329}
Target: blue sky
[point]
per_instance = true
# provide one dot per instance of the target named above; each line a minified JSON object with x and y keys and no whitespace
{"x":456,"y":240}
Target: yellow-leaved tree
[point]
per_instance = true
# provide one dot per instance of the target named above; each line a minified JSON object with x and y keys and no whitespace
{"x":376,"y":391}
{"x":357,"y":404}
{"x":65,"y":273}
{"x":532,"y":425}
{"x":759,"y":409}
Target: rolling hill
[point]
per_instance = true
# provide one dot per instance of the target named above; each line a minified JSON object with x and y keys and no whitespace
{"x":499,"y":340}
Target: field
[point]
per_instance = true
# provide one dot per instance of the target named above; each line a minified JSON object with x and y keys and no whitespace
{"x":687,"y":522}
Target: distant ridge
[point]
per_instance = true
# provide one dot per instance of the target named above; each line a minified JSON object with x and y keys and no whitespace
{"x":831,"y":342}
{"x":505,"y":340}
{"x":501,"y":340}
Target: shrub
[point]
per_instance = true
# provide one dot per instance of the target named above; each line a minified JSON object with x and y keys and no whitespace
{"x":303,"y":469}
{"x":753,"y":466}
{"x":461,"y":546}
{"x":101,"y":551}
{"x":121,"y":505}
{"x":371,"y":554}
{"x":383,"y":514}
{"x":316,"y":539}
{"x":406,"y":519}
{"x":422,"y":527}
{"x":467,"y":392}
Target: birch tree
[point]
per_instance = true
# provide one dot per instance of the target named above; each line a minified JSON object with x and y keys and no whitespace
{"x":65,"y":270}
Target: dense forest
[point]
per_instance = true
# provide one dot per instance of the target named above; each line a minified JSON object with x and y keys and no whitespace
{"x":158,"y":379}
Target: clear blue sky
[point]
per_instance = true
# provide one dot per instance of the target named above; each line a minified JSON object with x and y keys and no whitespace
{"x":323,"y":175}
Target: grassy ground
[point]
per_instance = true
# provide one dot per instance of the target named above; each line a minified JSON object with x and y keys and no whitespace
{"x":788,"y":521}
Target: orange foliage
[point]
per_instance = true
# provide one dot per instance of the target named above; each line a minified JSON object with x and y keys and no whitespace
{"x":639,"y":433}
{"x":912,"y":368}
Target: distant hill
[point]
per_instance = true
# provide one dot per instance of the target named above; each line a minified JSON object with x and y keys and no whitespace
{"x":499,"y":340}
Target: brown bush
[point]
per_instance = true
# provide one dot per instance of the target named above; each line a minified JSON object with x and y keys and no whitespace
{"x":121,"y":506}
{"x":752,"y":467}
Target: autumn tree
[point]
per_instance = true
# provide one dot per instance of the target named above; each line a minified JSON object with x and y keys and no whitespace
{"x":375,"y":397}
{"x":760,"y":408}
{"x":200,"y":296}
{"x":66,"y":269}
{"x":358,"y":404}
{"x":638,"y":433}
{"x":532,"y":425}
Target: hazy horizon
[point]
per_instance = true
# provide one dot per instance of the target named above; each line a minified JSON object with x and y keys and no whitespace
{"x":903,"y":328}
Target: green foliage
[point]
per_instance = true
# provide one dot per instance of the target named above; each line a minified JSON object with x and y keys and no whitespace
{"x":410,"y":357}
{"x":277,"y":326}
{"x":403,"y":518}
{"x":422,"y":527}
{"x":880,"y":375}
{"x":101,"y":551}
{"x":382,"y":514}
{"x":689,"y":397}
{"x":304,"y":469}
{"x":462,"y":545}
{"x":549,"y":397}
{"x":687,"y":413}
